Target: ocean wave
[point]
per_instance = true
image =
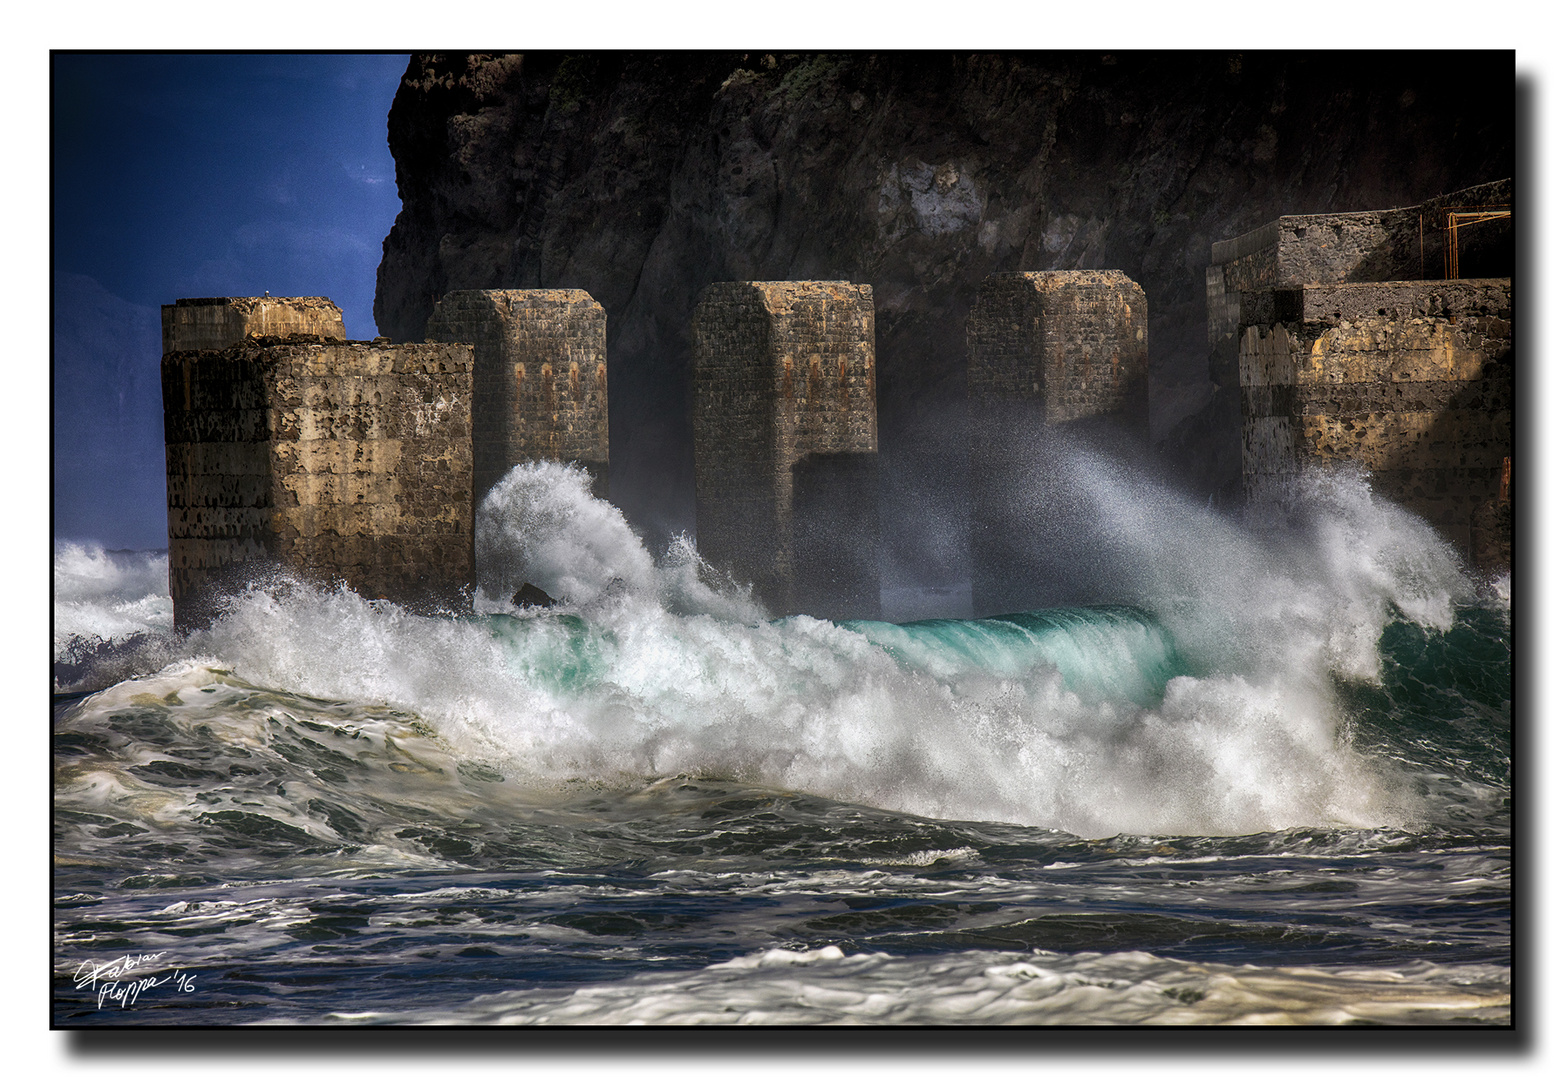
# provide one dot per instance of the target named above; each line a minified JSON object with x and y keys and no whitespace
{"x":1210,"y":707}
{"x":112,"y":615}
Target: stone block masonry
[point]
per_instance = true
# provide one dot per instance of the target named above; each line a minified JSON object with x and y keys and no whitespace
{"x":1409,"y":380}
{"x":220,"y":321}
{"x":540,"y":378}
{"x":1048,"y":352}
{"x":786,"y":465}
{"x":330,"y":459}
{"x":1344,"y":341}
{"x":1072,"y":343}
{"x":1405,"y":244}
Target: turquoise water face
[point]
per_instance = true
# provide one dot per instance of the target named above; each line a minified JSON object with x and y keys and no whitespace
{"x":200,"y":766}
{"x":1442,"y":712}
{"x":562,"y":652}
{"x":1102,"y":653}
{"x":1106,"y":653}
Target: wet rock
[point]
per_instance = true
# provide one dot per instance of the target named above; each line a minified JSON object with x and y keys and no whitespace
{"x":530,"y":595}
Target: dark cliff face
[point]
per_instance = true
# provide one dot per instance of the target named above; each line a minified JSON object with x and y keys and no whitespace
{"x":642,"y":178}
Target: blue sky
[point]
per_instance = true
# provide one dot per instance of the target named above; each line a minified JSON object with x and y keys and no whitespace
{"x":208,"y":175}
{"x":179,"y":175}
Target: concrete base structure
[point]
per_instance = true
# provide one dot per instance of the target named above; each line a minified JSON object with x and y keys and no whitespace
{"x":540,"y":378}
{"x":1411,"y":381}
{"x":1405,"y":244}
{"x":1346,"y":341}
{"x":335,"y":461}
{"x":1072,"y":344}
{"x":1053,"y":357}
{"x":787,"y":493}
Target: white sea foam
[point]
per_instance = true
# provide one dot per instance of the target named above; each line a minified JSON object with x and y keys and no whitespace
{"x":540,"y":525}
{"x":669,"y":670}
{"x":824,"y":986}
{"x":1299,"y":596}
{"x":109,"y":595}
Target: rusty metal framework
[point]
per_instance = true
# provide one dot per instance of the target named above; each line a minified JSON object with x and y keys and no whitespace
{"x":1456,"y":219}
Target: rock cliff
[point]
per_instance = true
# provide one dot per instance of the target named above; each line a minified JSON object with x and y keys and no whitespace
{"x":644,"y":177}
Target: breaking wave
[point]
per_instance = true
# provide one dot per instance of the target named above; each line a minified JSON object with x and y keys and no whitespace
{"x":1209,"y":699}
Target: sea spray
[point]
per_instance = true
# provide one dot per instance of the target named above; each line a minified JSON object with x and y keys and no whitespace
{"x":804,"y":705}
{"x":652,"y":803}
{"x":1208,"y":708}
{"x":112,"y":615}
{"x":540,"y":525}
{"x":108,"y":595}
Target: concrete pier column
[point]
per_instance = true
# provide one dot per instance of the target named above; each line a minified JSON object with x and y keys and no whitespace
{"x":332,"y":460}
{"x":1346,"y":344}
{"x":1410,"y":381}
{"x":1049,"y":353}
{"x":540,"y":378}
{"x":787,"y":482}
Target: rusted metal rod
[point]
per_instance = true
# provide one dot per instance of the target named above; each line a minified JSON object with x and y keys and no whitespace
{"x":1454,"y":220}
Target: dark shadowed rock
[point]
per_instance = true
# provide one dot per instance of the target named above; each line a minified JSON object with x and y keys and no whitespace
{"x":530,"y":595}
{"x":642,"y":178}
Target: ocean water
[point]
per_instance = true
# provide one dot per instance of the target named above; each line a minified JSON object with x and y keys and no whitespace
{"x":1267,"y":781}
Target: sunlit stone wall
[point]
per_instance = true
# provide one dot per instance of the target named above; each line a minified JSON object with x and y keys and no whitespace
{"x":540,"y":378}
{"x":333,"y":460}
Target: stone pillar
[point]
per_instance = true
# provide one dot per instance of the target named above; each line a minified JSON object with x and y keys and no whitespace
{"x":1410,"y":380}
{"x":330,"y":459}
{"x":540,"y":378}
{"x":1070,"y":343}
{"x":217,"y":322}
{"x":1047,"y":352}
{"x":787,"y":485}
{"x":1254,"y":276}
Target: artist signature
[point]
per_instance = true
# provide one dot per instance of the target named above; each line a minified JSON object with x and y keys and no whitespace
{"x":116,"y":982}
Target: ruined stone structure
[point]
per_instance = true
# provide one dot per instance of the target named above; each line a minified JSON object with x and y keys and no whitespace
{"x":540,"y":378}
{"x":643,"y":176}
{"x":1051,"y":356}
{"x":331,"y":459}
{"x":786,"y":443}
{"x":1071,"y":344}
{"x":218,"y":322}
{"x":1342,"y":352}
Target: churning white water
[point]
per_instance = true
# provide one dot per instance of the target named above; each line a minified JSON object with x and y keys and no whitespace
{"x":654,"y":667}
{"x":109,"y":594}
{"x":1265,"y":781}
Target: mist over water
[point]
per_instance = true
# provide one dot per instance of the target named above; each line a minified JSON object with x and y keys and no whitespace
{"x":109,"y":594}
{"x":112,"y":615}
{"x":1206,"y":702}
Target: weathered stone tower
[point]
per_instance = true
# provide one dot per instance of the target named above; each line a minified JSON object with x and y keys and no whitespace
{"x":304,"y":451}
{"x":540,"y":378}
{"x":1064,"y":345}
{"x":1051,"y":355}
{"x":787,"y":485}
{"x":1362,"y":338}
